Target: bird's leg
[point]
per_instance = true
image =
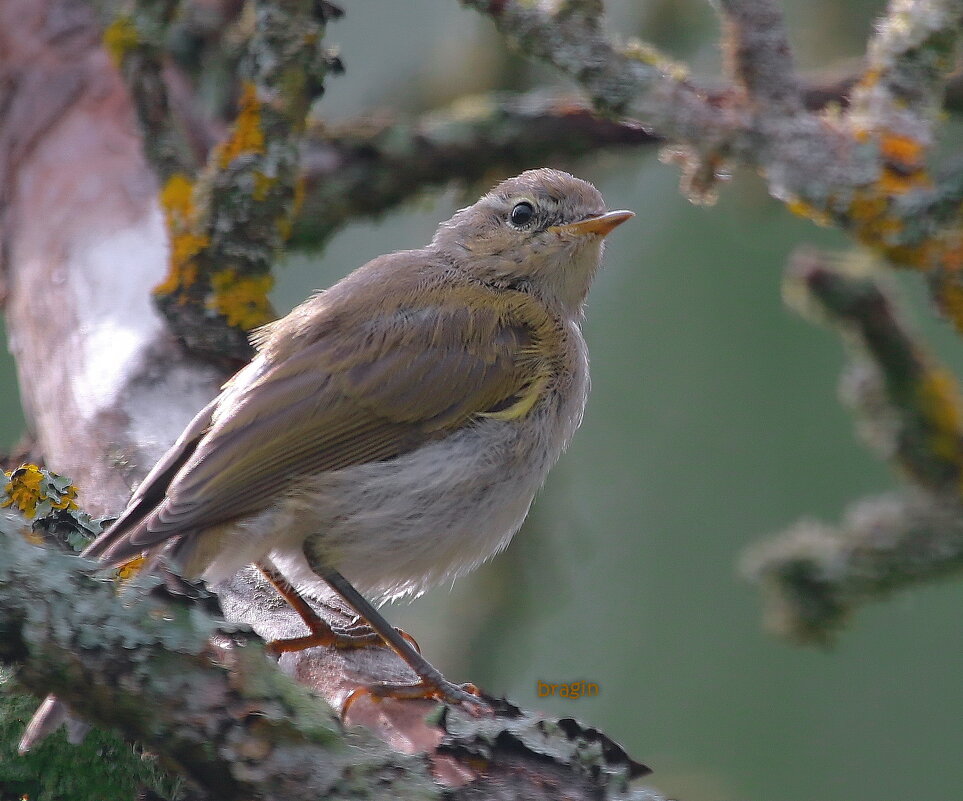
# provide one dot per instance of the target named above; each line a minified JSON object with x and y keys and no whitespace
{"x":432,"y":685}
{"x":322,"y":633}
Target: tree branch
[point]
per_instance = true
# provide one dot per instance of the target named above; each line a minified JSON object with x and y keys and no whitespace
{"x":910,"y":411}
{"x":760,"y":57}
{"x":910,"y":407}
{"x":227,"y":225}
{"x":203,"y":696}
{"x":815,"y":576}
{"x":908,"y":60}
{"x":366,"y":167}
{"x":218,"y":713}
{"x":635,"y":81}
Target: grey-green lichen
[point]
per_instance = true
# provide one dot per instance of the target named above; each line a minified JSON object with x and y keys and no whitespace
{"x":564,"y":741}
{"x":199,"y":693}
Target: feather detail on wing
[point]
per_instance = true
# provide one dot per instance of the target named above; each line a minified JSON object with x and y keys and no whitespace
{"x":352,"y":395}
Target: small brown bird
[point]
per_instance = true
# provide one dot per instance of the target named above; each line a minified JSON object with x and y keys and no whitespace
{"x":393,"y":430}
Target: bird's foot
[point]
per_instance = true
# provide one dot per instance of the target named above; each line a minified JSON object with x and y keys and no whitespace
{"x":355,"y":635}
{"x":364,"y":629}
{"x":326,"y":636}
{"x":468,"y":696}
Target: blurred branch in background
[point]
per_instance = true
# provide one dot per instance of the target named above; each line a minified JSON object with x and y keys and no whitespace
{"x":368,"y":167}
{"x":814,"y":576}
{"x":909,"y":411}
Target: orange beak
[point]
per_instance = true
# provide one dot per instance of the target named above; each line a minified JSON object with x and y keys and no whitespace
{"x":602,"y":225}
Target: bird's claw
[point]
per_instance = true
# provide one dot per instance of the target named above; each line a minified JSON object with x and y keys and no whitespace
{"x":356,"y":636}
{"x":466,"y":695}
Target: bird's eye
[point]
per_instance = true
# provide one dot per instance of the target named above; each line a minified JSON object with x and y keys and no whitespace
{"x":522,"y":214}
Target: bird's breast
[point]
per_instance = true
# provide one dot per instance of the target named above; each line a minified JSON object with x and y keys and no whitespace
{"x":401,"y":526}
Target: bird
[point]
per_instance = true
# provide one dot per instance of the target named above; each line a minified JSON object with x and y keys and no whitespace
{"x":391,"y":432}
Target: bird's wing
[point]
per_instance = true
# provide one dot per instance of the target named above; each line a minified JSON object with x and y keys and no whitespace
{"x":346,"y":398}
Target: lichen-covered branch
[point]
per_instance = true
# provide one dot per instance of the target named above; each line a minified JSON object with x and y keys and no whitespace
{"x":909,"y":406}
{"x":367,"y":167}
{"x":875,"y":184}
{"x":203,"y":696}
{"x":853,"y":170}
{"x":227,"y":225}
{"x":760,"y":58}
{"x":908,"y":61}
{"x":814,"y":576}
{"x":134,"y":38}
{"x":632,"y":81}
{"x":217,"y":712}
{"x":909,"y":410}
{"x":364,"y":168}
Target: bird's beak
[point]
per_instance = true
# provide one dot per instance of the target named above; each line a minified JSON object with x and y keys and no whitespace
{"x":601,"y":225}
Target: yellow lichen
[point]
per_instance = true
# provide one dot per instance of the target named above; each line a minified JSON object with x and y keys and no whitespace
{"x":646,"y":54}
{"x":950,"y":298}
{"x":897,"y":182}
{"x":177,"y":196}
{"x":181,"y":215}
{"x":28,"y":486}
{"x":284,"y":225}
{"x":939,"y":398}
{"x":873,"y":224}
{"x":869,"y":79}
{"x":903,"y":164}
{"x":902,"y":150}
{"x":878,"y":220}
{"x":801,"y":208}
{"x":919,"y":257}
{"x":120,"y":37}
{"x":246,"y":136}
{"x":876,"y":223}
{"x":300,"y":193}
{"x":867,"y":206}
{"x":243,"y":300}
{"x":262,"y":185}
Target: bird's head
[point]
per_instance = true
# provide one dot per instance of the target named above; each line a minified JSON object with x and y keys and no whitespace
{"x":540,"y":232}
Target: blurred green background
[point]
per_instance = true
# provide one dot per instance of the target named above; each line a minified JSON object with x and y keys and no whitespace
{"x":713,"y":423}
